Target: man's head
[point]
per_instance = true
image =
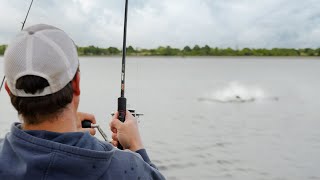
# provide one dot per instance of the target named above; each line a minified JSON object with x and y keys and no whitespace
{"x":41,"y":66}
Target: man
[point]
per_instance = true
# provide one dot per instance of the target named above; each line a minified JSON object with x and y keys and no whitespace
{"x":42,"y":70}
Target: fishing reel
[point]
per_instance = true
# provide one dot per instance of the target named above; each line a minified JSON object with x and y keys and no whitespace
{"x":133,"y":112}
{"x":88,"y":124}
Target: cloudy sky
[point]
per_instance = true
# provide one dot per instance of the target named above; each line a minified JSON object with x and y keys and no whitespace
{"x":218,"y":23}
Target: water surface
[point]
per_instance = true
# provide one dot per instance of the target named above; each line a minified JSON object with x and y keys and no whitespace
{"x":193,"y":128}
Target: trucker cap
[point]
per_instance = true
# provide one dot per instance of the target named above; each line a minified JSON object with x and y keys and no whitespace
{"x":44,"y":51}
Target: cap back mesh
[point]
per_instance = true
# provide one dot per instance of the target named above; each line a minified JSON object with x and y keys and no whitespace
{"x":43,"y":51}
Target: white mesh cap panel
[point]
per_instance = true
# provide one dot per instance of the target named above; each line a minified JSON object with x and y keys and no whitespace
{"x":55,"y":68}
{"x":69,"y":48}
{"x":17,"y":65}
{"x":48,"y":52}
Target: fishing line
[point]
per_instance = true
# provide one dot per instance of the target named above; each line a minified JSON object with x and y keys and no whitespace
{"x":137,"y":85}
{"x":23,"y":23}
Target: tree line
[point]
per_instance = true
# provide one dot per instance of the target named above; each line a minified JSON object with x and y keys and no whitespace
{"x":194,"y":51}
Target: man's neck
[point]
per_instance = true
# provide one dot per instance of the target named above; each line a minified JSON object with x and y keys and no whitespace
{"x":64,"y":122}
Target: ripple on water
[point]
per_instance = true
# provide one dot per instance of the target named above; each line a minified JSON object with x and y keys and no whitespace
{"x":172,"y":178}
{"x":176,"y":165}
{"x":159,"y":142}
{"x":162,"y":167}
{"x":314,"y":177}
{"x":241,"y":169}
{"x":224,"y":162}
{"x":221,"y":145}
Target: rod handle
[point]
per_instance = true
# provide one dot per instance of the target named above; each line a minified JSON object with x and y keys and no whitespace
{"x":122,"y":107}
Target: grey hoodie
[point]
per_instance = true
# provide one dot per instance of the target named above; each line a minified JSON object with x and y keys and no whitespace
{"x":58,"y":156}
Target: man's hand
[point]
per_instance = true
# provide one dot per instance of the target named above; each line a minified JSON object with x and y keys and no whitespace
{"x":85,"y":116}
{"x":127,"y":133}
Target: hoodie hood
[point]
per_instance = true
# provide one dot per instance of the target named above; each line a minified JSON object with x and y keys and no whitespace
{"x":43,"y":154}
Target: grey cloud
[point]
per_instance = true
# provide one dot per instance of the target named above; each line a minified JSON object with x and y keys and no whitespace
{"x":222,"y":23}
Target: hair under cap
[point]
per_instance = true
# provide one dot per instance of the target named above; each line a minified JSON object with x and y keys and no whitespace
{"x":44,"y":51}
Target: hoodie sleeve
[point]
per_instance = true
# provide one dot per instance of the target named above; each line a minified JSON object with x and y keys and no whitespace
{"x":155,"y":174}
{"x":145,"y":157}
{"x":132,"y":165}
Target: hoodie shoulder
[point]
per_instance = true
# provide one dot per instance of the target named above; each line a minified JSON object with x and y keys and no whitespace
{"x":130,"y":165}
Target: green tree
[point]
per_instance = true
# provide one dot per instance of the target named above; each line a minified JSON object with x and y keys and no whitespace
{"x":131,"y":50}
{"x":309,"y":52}
{"x":196,"y":50}
{"x":228,"y":52}
{"x":205,"y":51}
{"x":215,"y":52}
{"x":246,"y":52}
{"x":2,"y":49}
{"x":318,"y":52}
{"x":113,"y":51}
{"x":187,"y":49}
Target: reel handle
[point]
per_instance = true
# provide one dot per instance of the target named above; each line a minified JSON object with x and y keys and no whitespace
{"x":86,"y":124}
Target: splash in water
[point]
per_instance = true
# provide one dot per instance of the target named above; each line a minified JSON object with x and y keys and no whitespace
{"x":235,"y":92}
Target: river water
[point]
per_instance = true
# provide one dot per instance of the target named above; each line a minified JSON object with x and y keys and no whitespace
{"x":212,"y":118}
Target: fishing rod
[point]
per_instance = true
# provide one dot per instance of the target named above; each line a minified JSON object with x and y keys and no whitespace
{"x":25,"y":20}
{"x":23,"y":23}
{"x":122,"y":101}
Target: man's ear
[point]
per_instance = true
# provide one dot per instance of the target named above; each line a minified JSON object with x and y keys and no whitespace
{"x":7,"y":88}
{"x":76,"y":84}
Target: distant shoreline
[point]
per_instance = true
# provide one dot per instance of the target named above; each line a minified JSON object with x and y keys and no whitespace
{"x":216,"y":57}
{"x":196,"y":51}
